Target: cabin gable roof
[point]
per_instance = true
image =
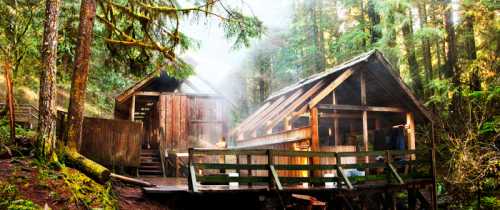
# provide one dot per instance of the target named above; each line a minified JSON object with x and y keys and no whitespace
{"x":295,"y":99}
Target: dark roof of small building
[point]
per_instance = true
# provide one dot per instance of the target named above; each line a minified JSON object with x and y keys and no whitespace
{"x":162,"y":82}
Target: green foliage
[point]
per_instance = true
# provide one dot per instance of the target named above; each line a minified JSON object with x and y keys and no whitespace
{"x":88,"y":193}
{"x":23,"y":205}
{"x":20,"y":131}
{"x":10,"y":200}
{"x":242,"y":28}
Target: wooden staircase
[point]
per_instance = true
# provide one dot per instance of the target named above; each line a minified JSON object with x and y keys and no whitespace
{"x":150,"y":163}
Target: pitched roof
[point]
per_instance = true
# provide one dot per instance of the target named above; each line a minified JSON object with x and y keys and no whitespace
{"x":390,"y":89}
{"x":162,"y":82}
{"x":318,"y":76}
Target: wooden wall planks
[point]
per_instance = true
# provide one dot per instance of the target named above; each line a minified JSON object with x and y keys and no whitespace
{"x":112,"y":142}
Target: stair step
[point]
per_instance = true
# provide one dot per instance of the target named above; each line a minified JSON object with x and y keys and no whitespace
{"x":149,"y":171}
{"x":150,"y":163}
{"x":150,"y":167}
{"x":149,"y":150}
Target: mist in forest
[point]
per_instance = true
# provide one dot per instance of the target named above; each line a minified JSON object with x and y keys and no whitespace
{"x":216,"y":60}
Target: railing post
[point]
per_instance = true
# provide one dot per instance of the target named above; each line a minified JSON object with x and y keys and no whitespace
{"x":338,"y":164}
{"x":269,"y":164}
{"x":192,"y":185}
{"x":249,"y":161}
{"x":273,"y":175}
{"x":387,"y":171}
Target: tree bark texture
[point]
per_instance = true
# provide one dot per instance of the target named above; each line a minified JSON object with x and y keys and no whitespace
{"x":7,"y":68}
{"x":450,"y":66}
{"x":80,"y":73}
{"x":47,"y":96}
{"x":426,"y":45}
{"x":411,"y":57}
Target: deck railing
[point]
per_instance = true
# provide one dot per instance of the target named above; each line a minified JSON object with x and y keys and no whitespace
{"x":209,"y":167}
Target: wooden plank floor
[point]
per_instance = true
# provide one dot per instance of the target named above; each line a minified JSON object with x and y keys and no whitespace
{"x":179,"y":185}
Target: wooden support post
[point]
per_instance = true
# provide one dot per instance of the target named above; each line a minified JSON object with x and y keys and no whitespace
{"x":365,"y":134}
{"x":314,"y":136}
{"x":412,"y":198}
{"x":132,"y":108}
{"x":365,"y":114}
{"x":249,"y":161}
{"x":433,"y":168}
{"x":410,"y":124}
{"x":336,"y":122}
{"x":314,"y":129}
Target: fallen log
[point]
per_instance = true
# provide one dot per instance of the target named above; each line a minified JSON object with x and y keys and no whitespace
{"x":87,"y":166}
{"x":130,"y":180}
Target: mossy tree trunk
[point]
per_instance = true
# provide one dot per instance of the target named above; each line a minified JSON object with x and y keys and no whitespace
{"x":7,"y":68}
{"x":47,"y":99}
{"x":89,"y":167}
{"x":80,"y":73}
{"x":77,"y":95}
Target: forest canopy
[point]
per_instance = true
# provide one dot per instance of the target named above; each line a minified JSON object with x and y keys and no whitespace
{"x":446,"y":51}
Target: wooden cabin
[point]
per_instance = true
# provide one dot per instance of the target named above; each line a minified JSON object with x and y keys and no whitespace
{"x":176,"y":115}
{"x":360,"y":105}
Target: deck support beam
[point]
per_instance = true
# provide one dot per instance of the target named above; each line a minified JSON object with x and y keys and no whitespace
{"x":314,"y":122}
{"x":365,"y":114}
{"x":335,"y":122}
{"x":360,"y":108}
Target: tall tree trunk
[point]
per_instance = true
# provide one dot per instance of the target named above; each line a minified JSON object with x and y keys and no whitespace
{"x":426,"y":45}
{"x":470,"y":48}
{"x":47,"y":98}
{"x":411,"y":57}
{"x":437,"y":23}
{"x":7,"y":68}
{"x":374,"y":17}
{"x":450,"y":70}
{"x":362,"y":22}
{"x":317,"y":35}
{"x":80,"y":73}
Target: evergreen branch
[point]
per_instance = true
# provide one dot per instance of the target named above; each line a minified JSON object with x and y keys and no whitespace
{"x":129,"y":11}
{"x":173,"y":10}
{"x":142,"y":44}
{"x":113,"y":27}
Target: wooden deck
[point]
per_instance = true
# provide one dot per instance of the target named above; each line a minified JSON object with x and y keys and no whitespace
{"x":171,"y":185}
{"x":210,"y":179}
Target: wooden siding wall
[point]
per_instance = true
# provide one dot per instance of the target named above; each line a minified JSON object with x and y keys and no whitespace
{"x":112,"y":142}
{"x":188,"y":121}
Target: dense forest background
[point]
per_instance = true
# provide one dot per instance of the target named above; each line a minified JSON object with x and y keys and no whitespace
{"x":445,"y":50}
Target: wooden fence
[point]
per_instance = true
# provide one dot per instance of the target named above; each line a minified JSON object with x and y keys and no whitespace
{"x":107,"y":141}
{"x":112,"y":142}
